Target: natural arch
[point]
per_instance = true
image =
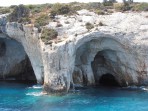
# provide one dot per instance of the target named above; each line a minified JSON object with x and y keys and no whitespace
{"x":14,"y":62}
{"x":100,"y":56}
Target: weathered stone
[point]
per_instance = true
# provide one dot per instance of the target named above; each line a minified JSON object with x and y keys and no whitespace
{"x":119,"y":48}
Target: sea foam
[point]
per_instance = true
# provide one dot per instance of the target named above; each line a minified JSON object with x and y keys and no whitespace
{"x":34,"y":94}
{"x":36,"y":87}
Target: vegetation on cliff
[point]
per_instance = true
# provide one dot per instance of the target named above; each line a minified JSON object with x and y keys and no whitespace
{"x":4,"y":10}
{"x":48,"y":34}
{"x":42,"y":20}
{"x":89,"y":26}
{"x":40,"y":15}
{"x":19,"y":14}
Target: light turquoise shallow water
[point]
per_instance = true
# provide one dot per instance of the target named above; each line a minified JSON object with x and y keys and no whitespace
{"x":21,"y":97}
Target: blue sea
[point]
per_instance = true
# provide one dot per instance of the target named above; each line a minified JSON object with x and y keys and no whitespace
{"x":28,"y":97}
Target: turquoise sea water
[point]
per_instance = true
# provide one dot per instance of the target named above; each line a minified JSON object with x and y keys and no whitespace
{"x":23,"y":97}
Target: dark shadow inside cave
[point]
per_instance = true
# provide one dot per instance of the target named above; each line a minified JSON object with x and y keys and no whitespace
{"x":108,"y":80}
{"x":2,"y":48}
{"x":102,"y":72}
{"x":27,"y":75}
{"x":14,"y":63}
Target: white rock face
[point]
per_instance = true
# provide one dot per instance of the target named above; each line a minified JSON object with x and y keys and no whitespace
{"x":119,"y":48}
{"x":28,"y":38}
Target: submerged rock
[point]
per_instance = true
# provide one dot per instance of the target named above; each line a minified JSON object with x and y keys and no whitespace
{"x":80,"y":56}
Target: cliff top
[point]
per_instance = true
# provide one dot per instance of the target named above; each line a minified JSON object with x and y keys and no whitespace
{"x":57,"y":22}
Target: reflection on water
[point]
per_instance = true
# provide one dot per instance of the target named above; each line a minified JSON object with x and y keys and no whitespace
{"x":28,"y":97}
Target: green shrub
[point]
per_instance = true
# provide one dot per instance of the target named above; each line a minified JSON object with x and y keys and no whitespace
{"x":99,"y":12}
{"x":42,"y":20}
{"x":126,"y":7}
{"x":122,"y":7}
{"x":24,"y":20}
{"x":39,"y":8}
{"x":60,"y":9}
{"x":18,"y":13}
{"x":101,"y":24}
{"x":4,"y":10}
{"x":38,"y":26}
{"x":93,"y":5}
{"x":108,"y":3}
{"x":59,"y":25}
{"x":48,"y":34}
{"x":110,"y":11}
{"x":35,"y":8}
{"x":89,"y":26}
{"x":76,"y":8}
{"x":53,"y":14}
{"x":64,"y":10}
{"x":140,"y":7}
{"x":118,"y":6}
{"x":13,"y":6}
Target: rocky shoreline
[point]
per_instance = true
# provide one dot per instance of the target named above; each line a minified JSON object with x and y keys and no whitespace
{"x":81,"y":56}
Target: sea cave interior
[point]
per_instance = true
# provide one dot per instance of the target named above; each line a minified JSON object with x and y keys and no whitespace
{"x":99,"y":63}
{"x":15,"y":65}
{"x":106,"y":78}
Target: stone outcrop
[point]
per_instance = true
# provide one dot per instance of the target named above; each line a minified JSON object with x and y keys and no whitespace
{"x":80,"y":56}
{"x":27,"y":36}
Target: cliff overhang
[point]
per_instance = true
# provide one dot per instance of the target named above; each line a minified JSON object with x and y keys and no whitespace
{"x":81,"y":56}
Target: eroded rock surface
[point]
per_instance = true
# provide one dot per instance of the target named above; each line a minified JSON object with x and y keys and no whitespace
{"x":14,"y":62}
{"x":80,"y":56}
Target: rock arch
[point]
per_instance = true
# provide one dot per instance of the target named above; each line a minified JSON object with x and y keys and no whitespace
{"x":57,"y":66}
{"x":29,"y":41}
{"x":14,"y":62}
{"x":71,"y":62}
{"x":115,"y":58}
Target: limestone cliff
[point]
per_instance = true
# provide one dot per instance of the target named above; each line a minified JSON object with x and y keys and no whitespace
{"x":117,"y":44}
{"x":29,"y":42}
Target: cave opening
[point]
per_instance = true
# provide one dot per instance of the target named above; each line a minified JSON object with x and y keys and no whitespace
{"x":102,"y":69}
{"x":108,"y":80}
{"x":96,"y":58}
{"x":15,"y":65}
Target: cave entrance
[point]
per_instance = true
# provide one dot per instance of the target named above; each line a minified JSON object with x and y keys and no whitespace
{"x":102,"y":68}
{"x":96,"y":58}
{"x":14,"y":63}
{"x":27,"y":74}
{"x":108,"y":80}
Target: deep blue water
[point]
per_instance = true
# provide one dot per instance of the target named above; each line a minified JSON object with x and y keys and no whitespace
{"x":22,"y":97}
